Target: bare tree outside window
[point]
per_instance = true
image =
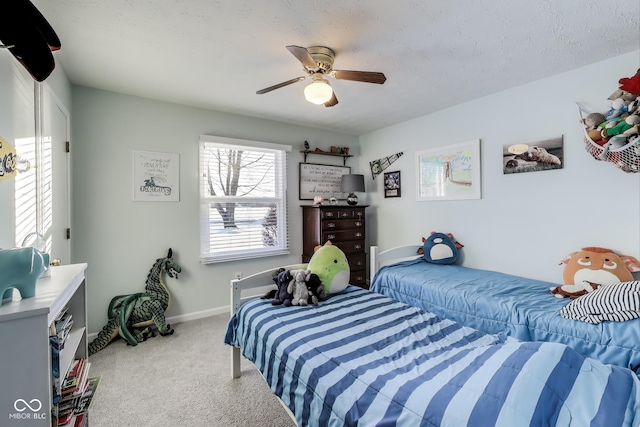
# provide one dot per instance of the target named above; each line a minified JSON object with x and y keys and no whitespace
{"x":270,"y":227}
{"x":225,"y":167}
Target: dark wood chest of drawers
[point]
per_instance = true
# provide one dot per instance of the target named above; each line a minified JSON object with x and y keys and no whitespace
{"x":345,"y":227}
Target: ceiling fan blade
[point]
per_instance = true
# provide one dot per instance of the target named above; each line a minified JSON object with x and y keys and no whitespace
{"x":359,"y":76}
{"x":333,"y":101}
{"x":279,"y":85}
{"x":303,"y":56}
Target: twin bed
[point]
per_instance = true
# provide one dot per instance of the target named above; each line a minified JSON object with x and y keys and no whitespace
{"x":389,"y":358}
{"x":500,"y":303}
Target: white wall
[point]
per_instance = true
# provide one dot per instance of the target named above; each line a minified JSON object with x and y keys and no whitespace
{"x":525,"y":223}
{"x":120,"y":239}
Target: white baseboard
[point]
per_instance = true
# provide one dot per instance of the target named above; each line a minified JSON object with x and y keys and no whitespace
{"x":197,"y":315}
{"x":183,"y":318}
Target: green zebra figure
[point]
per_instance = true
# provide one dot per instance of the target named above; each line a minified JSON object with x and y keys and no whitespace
{"x":131,"y":316}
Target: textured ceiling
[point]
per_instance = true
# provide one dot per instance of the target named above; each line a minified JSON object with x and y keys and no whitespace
{"x":435,"y":54}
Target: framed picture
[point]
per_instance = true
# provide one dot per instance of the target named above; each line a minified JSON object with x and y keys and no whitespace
{"x":321,"y":180}
{"x":541,"y":155}
{"x":451,"y":172}
{"x":156,"y":176}
{"x":392,"y":184}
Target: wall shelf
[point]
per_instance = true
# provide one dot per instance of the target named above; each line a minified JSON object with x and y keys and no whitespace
{"x":324,"y":153}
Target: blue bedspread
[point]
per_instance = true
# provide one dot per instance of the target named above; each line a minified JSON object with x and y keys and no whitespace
{"x":500,"y":303}
{"x":363,"y":359}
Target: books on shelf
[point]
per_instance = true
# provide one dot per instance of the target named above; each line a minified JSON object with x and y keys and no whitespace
{"x":87,"y":396}
{"x":55,"y":368}
{"x":58,"y":332}
{"x":76,"y":377}
{"x":73,"y":390}
{"x":77,"y":391}
{"x":61,"y":327}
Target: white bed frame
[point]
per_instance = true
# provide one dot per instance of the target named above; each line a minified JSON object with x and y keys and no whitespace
{"x":380,"y":259}
{"x":265,"y":279}
{"x":259,"y":280}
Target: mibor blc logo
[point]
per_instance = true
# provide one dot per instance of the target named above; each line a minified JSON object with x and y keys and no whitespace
{"x":27,"y":410}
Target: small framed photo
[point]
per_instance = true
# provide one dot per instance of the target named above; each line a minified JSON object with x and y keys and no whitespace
{"x":392,"y":184}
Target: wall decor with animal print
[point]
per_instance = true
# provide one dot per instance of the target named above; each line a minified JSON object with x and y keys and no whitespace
{"x":534,"y":156}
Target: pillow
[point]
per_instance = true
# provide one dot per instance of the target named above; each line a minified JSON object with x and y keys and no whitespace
{"x":616,"y":302}
{"x":440,"y":248}
{"x":598,"y":265}
{"x":331,"y":266}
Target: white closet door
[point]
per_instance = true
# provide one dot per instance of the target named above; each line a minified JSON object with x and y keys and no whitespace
{"x":55,"y":133}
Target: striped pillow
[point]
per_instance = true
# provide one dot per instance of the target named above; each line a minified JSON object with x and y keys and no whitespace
{"x":616,"y":302}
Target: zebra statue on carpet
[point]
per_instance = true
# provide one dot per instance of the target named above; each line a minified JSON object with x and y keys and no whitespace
{"x":131,"y":316}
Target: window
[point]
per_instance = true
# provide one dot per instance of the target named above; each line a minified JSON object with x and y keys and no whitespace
{"x":33,"y":195}
{"x":242,"y":199}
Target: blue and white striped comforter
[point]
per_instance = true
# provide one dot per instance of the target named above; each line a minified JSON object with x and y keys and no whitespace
{"x":363,"y":359}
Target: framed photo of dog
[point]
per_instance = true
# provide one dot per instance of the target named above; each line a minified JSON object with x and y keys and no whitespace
{"x":541,"y":155}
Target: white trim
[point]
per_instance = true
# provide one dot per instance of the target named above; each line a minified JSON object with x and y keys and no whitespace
{"x":239,"y":255}
{"x":393,"y":255}
{"x":184,"y":317}
{"x":249,"y":143}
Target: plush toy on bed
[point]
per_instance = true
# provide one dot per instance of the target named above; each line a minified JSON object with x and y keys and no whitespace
{"x":574,"y":291}
{"x":298,"y":286}
{"x":592,"y":267}
{"x":316,"y":290}
{"x":280,"y":296}
{"x":440,"y":248}
{"x":331,"y":266}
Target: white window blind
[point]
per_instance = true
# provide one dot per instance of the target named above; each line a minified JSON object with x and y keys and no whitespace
{"x":243,"y":209}
{"x":33,"y":194}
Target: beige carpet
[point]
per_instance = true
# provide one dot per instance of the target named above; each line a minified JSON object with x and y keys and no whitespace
{"x":181,"y":380}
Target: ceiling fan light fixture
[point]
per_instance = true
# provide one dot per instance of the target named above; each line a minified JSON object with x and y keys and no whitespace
{"x":318,"y":92}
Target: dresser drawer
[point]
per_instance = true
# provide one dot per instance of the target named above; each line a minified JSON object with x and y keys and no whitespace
{"x":351,"y":246}
{"x":342,"y":224}
{"x":343,"y":213}
{"x":341,"y":236}
{"x":359,"y":278}
{"x":358,"y":262}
